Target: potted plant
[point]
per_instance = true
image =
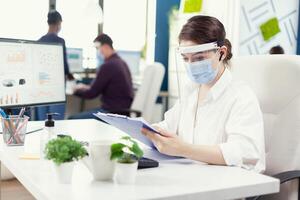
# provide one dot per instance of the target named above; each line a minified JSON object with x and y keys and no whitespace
{"x":64,"y":151}
{"x":126,"y":153}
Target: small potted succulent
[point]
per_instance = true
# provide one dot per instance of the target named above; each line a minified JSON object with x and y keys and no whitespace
{"x":64,"y":151}
{"x":126,"y":153}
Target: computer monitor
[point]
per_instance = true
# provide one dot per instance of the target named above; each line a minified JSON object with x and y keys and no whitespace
{"x":132,"y":58}
{"x":31,"y":73}
{"x":75,"y":59}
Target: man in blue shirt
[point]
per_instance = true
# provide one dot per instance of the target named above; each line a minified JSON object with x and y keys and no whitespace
{"x":54,"y":22}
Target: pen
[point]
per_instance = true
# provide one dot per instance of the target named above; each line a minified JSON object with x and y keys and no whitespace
{"x":2,"y":113}
{"x":18,"y":126}
{"x":7,"y":124}
{"x":21,"y":113}
{"x":30,"y":131}
{"x":35,"y":130}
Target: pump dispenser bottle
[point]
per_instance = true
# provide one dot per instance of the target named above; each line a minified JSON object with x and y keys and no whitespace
{"x":48,"y":133}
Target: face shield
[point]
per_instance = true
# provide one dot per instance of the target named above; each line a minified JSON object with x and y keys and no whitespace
{"x":196,"y":64}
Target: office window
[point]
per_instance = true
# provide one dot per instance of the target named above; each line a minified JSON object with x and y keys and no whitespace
{"x":125,"y":22}
{"x":23,"y":19}
{"x":80,"y":26}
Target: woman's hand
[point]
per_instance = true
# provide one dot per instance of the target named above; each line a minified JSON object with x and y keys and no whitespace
{"x":166,"y":142}
{"x":171,"y":144}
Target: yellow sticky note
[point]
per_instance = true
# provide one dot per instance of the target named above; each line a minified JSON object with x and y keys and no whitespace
{"x":27,"y":156}
{"x":192,"y":6}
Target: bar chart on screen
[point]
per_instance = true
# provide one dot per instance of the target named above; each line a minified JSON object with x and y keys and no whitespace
{"x":9,"y":99}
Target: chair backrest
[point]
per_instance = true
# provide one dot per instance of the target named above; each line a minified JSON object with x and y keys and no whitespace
{"x":148,"y":91}
{"x":276,"y":81}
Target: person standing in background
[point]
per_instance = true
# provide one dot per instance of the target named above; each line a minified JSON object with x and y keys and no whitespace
{"x":54,"y":26}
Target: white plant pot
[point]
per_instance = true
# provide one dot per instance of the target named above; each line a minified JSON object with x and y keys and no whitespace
{"x":64,"y":172}
{"x":125,"y":173}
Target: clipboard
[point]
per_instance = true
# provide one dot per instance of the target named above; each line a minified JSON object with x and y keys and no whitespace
{"x":131,"y":126}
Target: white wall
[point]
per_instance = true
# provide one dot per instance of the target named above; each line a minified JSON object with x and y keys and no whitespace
{"x":125,"y":22}
{"x":80,"y":25}
{"x":23,"y":19}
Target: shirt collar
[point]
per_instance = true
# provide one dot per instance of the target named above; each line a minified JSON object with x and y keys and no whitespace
{"x":220,"y":85}
{"x":114,"y":55}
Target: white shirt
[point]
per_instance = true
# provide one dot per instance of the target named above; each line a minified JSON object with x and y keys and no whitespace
{"x":230,"y":117}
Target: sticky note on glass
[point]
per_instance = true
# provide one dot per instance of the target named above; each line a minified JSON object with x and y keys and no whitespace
{"x":270,"y":28}
{"x":27,"y":156}
{"x":192,"y":6}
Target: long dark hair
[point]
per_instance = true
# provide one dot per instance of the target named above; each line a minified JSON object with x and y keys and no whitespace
{"x":205,"y":29}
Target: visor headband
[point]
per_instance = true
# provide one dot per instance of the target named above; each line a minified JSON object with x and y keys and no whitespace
{"x":198,"y":48}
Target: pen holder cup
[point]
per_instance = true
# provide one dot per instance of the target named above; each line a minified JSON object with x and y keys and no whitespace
{"x":14,"y":129}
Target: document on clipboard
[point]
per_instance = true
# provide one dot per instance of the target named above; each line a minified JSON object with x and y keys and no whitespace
{"x":131,"y":126}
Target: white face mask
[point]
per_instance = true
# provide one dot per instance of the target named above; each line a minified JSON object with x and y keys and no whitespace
{"x":201,"y":72}
{"x":100,"y":59}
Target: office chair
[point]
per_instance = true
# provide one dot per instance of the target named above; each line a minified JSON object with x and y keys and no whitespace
{"x":276,"y":81}
{"x":147,"y":93}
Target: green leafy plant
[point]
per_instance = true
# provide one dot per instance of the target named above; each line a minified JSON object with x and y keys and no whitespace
{"x":126,"y":151}
{"x":64,"y":149}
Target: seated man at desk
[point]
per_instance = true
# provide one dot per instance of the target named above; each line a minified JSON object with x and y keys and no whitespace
{"x":113,"y":82}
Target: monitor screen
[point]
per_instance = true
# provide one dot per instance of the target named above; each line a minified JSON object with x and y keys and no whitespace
{"x":132,"y":58}
{"x":31,"y":73}
{"x":75,"y":59}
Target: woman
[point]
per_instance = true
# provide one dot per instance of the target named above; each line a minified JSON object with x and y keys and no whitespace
{"x":217,"y":120}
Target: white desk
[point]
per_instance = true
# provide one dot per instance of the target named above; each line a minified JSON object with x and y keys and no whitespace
{"x":169,"y":181}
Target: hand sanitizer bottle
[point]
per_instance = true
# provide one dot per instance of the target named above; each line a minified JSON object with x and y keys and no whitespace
{"x":48,"y":133}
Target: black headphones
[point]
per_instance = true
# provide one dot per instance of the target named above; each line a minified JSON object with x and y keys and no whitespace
{"x":221,"y":54}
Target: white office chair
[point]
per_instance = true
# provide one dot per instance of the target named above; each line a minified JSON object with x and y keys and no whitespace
{"x":147,"y":93}
{"x":276,"y":81}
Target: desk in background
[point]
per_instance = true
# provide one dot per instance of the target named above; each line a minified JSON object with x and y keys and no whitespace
{"x":76,"y":105}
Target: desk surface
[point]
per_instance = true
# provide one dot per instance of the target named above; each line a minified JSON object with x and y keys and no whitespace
{"x":172,"y":180}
